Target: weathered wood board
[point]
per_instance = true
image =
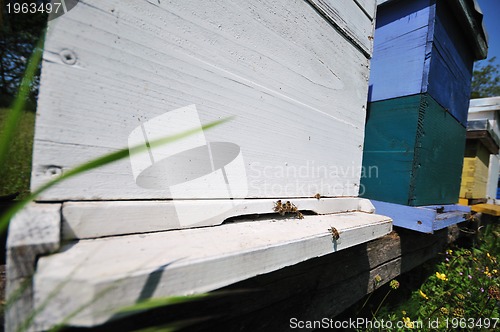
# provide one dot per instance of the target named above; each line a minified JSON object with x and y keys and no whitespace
{"x":425,"y":219}
{"x":491,"y":209}
{"x":493,"y":174}
{"x":417,"y":150}
{"x":475,"y":170}
{"x":311,"y":290}
{"x":295,"y":84}
{"x":427,"y":46}
{"x":84,"y":220}
{"x":33,"y":232}
{"x":113,"y":272}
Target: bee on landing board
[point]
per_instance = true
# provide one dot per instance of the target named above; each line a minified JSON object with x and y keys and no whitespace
{"x":335,"y":233}
{"x":287,"y":207}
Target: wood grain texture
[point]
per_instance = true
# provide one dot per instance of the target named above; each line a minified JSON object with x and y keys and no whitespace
{"x":33,"y":232}
{"x":83,"y":220}
{"x":296,"y":87}
{"x":491,"y":209}
{"x":425,"y":219}
{"x":452,"y":59}
{"x":117,"y":271}
{"x":486,"y":109}
{"x":475,"y":170}
{"x":417,"y":149}
{"x":420,"y":47}
{"x":493,"y":174}
{"x":400,"y":49}
{"x":368,"y":6}
{"x":389,"y":149}
{"x":342,"y":14}
{"x":310,"y":290}
{"x":439,"y":156}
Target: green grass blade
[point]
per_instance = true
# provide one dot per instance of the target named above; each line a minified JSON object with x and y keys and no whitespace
{"x":17,"y":293}
{"x":174,"y":326}
{"x":160,"y":302}
{"x":99,"y":162}
{"x":14,"y":117}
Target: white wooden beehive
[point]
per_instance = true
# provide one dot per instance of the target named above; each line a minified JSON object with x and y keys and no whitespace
{"x":293,"y":75}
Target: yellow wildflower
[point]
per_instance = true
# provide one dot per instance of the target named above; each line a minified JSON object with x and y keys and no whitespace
{"x":444,"y":311}
{"x":394,"y":284}
{"x":493,"y":259}
{"x":449,"y":251}
{"x":458,"y":312}
{"x":423,"y":294}
{"x":441,"y":276}
{"x":494,"y":292}
{"x":408,"y":322}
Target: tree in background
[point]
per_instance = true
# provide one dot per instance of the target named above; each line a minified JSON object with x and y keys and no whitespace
{"x":19,"y":34}
{"x":486,"y":80}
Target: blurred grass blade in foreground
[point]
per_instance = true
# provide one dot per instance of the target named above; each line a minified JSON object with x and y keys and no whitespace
{"x":98,"y":162}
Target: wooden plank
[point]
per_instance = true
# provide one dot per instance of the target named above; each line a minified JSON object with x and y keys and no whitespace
{"x":420,"y":47}
{"x":484,"y":136}
{"x":33,"y":232}
{"x":354,"y":23}
{"x":110,"y":66}
{"x":368,"y":6}
{"x":310,"y":290}
{"x":493,"y":173}
{"x":414,"y":145}
{"x":490,"y":209}
{"x":185,"y":262}
{"x":484,"y":111}
{"x":425,"y":219}
{"x":414,"y":218}
{"x":471,"y":19}
{"x":389,"y":147}
{"x":83,"y":220}
{"x":399,"y":50}
{"x":484,"y":105}
{"x":475,"y":171}
{"x":463,"y":201}
{"x":438,"y":157}
{"x":448,"y":208}
{"x":450,"y":71}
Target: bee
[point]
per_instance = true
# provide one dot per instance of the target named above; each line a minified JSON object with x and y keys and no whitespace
{"x":317,"y":196}
{"x":278,"y":207}
{"x":335,"y":233}
{"x":287,"y":207}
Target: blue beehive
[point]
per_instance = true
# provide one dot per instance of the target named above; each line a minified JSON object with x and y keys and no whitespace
{"x":427,"y":46}
{"x":424,"y":51}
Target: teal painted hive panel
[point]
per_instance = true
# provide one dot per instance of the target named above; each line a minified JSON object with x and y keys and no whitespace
{"x":413,"y":152}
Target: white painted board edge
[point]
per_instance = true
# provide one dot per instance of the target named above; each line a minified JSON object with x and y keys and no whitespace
{"x":110,"y":273}
{"x":83,"y":220}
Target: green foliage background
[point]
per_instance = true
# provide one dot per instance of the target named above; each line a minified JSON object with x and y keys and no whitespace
{"x":486,"y":79}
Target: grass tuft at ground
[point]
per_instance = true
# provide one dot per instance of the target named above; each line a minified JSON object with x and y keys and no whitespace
{"x":15,"y":174}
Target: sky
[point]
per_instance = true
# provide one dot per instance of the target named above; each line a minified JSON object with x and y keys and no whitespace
{"x":491,"y":11}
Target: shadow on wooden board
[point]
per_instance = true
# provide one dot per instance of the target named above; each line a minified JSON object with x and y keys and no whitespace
{"x":319,"y":288}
